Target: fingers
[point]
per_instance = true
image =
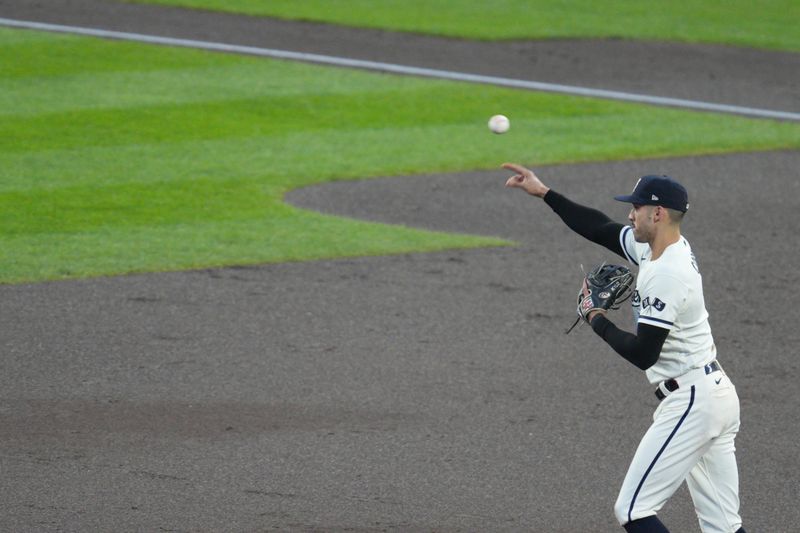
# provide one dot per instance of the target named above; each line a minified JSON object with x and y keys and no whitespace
{"x":515,"y":167}
{"x":515,"y":181}
{"x":525,"y":179}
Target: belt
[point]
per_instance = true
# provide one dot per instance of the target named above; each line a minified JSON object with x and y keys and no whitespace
{"x":671,"y":385}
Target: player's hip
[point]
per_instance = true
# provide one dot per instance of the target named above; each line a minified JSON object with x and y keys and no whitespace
{"x":701,"y":377}
{"x":707,"y":394}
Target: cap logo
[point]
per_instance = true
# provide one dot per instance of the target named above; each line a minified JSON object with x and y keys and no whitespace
{"x":637,"y":184}
{"x":653,"y":197}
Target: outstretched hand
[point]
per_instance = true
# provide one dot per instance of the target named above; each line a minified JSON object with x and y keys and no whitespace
{"x":526,"y":180}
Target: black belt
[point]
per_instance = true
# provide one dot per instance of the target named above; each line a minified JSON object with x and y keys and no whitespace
{"x":671,"y":385}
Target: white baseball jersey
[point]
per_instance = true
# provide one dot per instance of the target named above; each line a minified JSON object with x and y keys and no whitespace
{"x":669,"y":294}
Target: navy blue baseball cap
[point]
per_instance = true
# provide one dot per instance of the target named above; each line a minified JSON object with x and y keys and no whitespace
{"x":658,"y":190}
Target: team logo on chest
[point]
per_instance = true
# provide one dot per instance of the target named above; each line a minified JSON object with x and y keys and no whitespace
{"x":636,"y":300}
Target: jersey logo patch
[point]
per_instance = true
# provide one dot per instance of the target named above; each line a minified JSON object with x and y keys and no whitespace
{"x":656,"y":303}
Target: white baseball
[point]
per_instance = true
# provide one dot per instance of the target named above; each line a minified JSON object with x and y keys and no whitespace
{"x":499,"y":124}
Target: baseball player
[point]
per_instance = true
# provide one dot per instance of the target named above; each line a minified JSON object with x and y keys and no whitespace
{"x":692,"y":435}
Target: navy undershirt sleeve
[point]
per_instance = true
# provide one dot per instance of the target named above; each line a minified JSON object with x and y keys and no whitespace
{"x":641,"y":349}
{"x":586,"y":222}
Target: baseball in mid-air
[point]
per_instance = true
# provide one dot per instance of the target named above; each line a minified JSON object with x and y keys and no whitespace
{"x":499,"y":124}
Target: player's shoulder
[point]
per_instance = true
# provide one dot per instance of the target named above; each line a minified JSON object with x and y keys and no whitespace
{"x":678,"y":261}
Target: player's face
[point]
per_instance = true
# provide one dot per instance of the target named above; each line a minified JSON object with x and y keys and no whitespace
{"x":641,"y":218}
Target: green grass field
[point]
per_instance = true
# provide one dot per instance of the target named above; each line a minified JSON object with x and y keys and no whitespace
{"x":119,"y":157}
{"x":765,"y":24}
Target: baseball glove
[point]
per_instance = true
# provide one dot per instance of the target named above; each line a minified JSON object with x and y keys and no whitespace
{"x":604,"y":288}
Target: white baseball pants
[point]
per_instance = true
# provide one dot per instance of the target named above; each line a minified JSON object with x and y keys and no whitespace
{"x":691,"y":439}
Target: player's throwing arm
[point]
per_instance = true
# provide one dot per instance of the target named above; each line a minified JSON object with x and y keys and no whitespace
{"x":691,"y":439}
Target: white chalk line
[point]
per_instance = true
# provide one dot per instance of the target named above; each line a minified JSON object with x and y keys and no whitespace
{"x":406,"y":70}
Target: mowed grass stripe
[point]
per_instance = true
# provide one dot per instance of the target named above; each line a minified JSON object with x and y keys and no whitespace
{"x":285,"y":235}
{"x":36,"y":95}
{"x":81,"y":209}
{"x":764,"y":24}
{"x":149,"y":181}
{"x":30,"y":54}
{"x":298,"y":159}
{"x":422,"y":105}
{"x":416,"y":107}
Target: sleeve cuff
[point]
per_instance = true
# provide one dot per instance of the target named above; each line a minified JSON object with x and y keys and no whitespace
{"x":657,"y":322}
{"x":553,"y":199}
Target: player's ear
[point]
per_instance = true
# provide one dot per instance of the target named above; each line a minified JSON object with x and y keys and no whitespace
{"x":658,"y":213}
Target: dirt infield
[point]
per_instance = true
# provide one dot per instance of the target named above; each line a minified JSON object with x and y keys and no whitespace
{"x":422,"y":392}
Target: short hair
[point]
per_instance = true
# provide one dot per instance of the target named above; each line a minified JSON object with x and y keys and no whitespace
{"x":674,"y":215}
